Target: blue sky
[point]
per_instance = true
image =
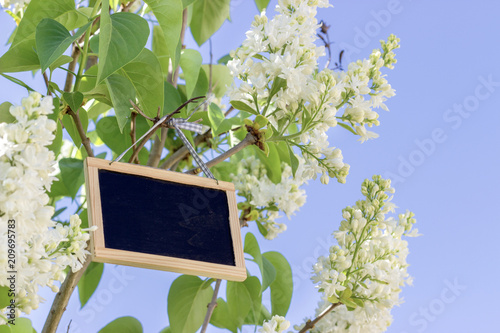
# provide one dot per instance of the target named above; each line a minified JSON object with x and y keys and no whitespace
{"x":439,"y":144}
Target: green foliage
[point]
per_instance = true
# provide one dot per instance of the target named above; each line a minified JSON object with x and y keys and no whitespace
{"x":169,"y":16}
{"x":243,"y":107}
{"x":72,"y":175}
{"x":74,"y":100}
{"x":89,"y":282}
{"x":5,"y":116}
{"x":144,"y":73}
{"x":282,"y":286}
{"x":4,"y":298}
{"x":21,"y":57}
{"x":118,"y":30}
{"x":71,"y":128}
{"x":187,"y":303}
{"x":190,"y":63}
{"x":267,"y":269}
{"x":121,"y":92}
{"x":261,"y":4}
{"x":123,"y":325}
{"x":221,"y":79}
{"x":208,"y":16}
{"x":52,"y":40}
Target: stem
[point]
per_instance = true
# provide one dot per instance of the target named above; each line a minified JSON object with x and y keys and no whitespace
{"x":159,"y":143}
{"x":310,"y":324}
{"x":81,"y":132}
{"x":71,"y":69}
{"x":46,"y":79}
{"x":211,"y":307}
{"x":85,"y":48}
{"x":249,"y":140}
{"x":62,"y":298}
{"x":132,"y":131}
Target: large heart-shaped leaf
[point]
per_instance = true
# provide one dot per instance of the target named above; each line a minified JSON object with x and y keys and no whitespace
{"x":208,"y":16}
{"x":190,"y":63}
{"x":169,"y":16}
{"x":72,"y":174}
{"x":38,"y":10}
{"x":282,"y":286}
{"x":187,"y":303}
{"x":19,"y":58}
{"x":122,"y":91}
{"x":122,"y":38}
{"x":144,"y":72}
{"x":266,"y":268}
{"x":52,"y":40}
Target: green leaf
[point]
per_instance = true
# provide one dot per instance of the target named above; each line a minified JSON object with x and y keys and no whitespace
{"x":160,"y":49}
{"x":261,"y":4}
{"x":172,"y":99}
{"x":166,"y":330}
{"x":187,"y":303}
{"x":216,"y":117}
{"x":123,"y":325}
{"x":220,"y":317}
{"x":224,"y":60}
{"x":169,"y":16}
{"x":272,"y":162}
{"x":74,"y":100}
{"x":144,"y":72}
{"x":294,"y":161}
{"x":56,"y":144}
{"x":254,"y":289}
{"x":23,"y":325}
{"x":243,"y":107}
{"x":282,"y":286}
{"x":347,"y":127}
{"x":5,"y":329}
{"x":19,"y":58}
{"x":4,"y":296}
{"x":117,"y":31}
{"x":108,"y":131}
{"x":89,"y":282}
{"x":52,"y":40}
{"x":221,"y":79}
{"x":186,"y":3}
{"x":72,"y":174}
{"x":239,"y":302}
{"x":97,"y":109}
{"x":208,"y":16}
{"x":62,"y":60}
{"x":278,"y":84}
{"x":5,"y":116}
{"x":73,"y":19}
{"x":190,"y":63}
{"x":70,"y":126}
{"x":38,"y":10}
{"x":121,"y":91}
{"x":17,"y":81}
{"x":266,"y":268}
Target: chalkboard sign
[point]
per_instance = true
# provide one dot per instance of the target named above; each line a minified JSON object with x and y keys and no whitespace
{"x":165,"y":220}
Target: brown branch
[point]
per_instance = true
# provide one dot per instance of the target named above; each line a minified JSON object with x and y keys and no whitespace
{"x":71,"y":68}
{"x":182,"y":152}
{"x":81,"y":132}
{"x":211,"y":307}
{"x":247,"y":141}
{"x":133,"y":117}
{"x":310,"y":323}
{"x":159,"y":143}
{"x":46,"y":80}
{"x":62,"y":298}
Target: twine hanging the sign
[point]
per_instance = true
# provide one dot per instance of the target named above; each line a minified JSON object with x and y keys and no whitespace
{"x":177,"y":124}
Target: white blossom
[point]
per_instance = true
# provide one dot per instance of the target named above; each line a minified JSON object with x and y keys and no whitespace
{"x":366,"y":270}
{"x":44,"y":248}
{"x":277,"y":324}
{"x":14,"y":5}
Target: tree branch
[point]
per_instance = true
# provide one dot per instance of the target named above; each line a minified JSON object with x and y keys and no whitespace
{"x":247,"y":141}
{"x":310,"y":324}
{"x":211,"y":307}
{"x":62,"y":298}
{"x":81,"y":132}
{"x":71,"y":68}
{"x":133,"y":117}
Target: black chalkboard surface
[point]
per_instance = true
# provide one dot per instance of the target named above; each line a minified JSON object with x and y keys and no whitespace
{"x":164,"y":220}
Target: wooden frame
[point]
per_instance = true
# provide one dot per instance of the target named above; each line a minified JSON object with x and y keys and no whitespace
{"x":187,"y":266}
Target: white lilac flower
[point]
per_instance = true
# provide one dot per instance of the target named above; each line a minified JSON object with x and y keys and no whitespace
{"x":264,"y":198}
{"x":14,"y":5}
{"x":277,"y":324}
{"x":366,"y":270}
{"x":278,"y":75}
{"x":44,"y":248}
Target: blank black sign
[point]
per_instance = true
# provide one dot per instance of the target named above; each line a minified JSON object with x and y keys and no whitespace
{"x":146,"y":215}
